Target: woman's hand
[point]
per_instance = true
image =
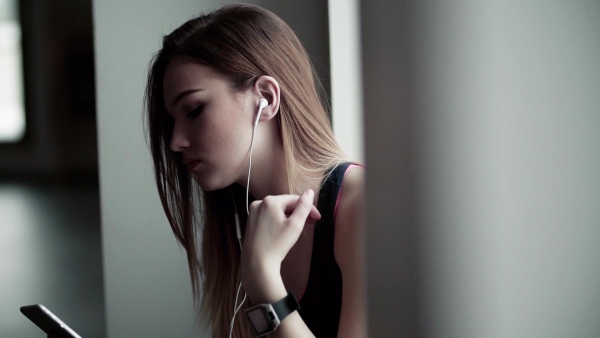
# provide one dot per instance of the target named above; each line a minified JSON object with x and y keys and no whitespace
{"x":273,"y":227}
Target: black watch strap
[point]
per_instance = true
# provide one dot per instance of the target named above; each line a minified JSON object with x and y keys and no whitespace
{"x":286,"y":305}
{"x":265,"y":318}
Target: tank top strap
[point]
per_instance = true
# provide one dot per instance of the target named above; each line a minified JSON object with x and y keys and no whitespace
{"x":330,"y":189}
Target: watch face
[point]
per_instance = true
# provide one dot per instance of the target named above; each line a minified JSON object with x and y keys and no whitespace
{"x":259,"y":320}
{"x":263,"y":319}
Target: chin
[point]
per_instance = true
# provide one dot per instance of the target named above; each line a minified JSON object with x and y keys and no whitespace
{"x":210,"y":184}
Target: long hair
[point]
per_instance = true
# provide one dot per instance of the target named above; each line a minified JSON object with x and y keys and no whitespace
{"x":242,"y":43}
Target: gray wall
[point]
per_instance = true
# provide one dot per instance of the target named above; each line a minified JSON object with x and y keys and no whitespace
{"x":146,"y":282}
{"x":482,"y":138}
{"x":147,"y":293}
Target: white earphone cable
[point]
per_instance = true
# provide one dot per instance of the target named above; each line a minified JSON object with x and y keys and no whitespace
{"x":249,"y":170}
{"x":236,"y":307}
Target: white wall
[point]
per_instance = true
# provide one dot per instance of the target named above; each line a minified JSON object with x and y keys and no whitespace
{"x":346,"y":80}
{"x":146,"y":282}
{"x":482,"y":138}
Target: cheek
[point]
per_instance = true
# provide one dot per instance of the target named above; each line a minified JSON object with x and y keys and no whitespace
{"x":226,"y":134}
{"x":220,"y":142}
{"x":230,"y":148}
{"x":234,"y":133}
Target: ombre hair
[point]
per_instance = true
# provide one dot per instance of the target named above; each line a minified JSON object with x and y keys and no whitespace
{"x":242,"y":43}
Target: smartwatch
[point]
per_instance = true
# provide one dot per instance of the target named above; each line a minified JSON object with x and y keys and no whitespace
{"x":265,"y":318}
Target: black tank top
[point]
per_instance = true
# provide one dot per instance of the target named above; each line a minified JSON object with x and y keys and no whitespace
{"x":322,"y":300}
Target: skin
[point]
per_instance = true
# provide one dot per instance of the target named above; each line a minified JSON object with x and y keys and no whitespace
{"x":277,"y":243}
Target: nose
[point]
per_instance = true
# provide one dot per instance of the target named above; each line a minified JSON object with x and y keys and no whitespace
{"x":179,"y":140}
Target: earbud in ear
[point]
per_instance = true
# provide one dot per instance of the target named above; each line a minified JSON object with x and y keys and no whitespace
{"x":262,"y":104}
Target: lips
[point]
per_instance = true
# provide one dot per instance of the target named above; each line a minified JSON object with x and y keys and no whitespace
{"x":191,"y":163}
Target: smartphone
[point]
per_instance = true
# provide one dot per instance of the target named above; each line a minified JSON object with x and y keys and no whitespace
{"x":48,"y":322}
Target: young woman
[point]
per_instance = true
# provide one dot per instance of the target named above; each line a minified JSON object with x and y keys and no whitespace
{"x":235,"y":114}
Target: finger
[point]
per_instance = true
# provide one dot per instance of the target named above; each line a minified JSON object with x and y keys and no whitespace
{"x":253,"y":213}
{"x":280,"y":204}
{"x":314,"y":215}
{"x":290,"y":202}
{"x":303,"y":208}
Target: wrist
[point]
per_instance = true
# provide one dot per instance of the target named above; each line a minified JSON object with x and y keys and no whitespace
{"x":266,"y":318}
{"x":263,"y":283}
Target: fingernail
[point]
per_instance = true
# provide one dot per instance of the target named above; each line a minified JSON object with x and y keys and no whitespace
{"x":310,"y":193}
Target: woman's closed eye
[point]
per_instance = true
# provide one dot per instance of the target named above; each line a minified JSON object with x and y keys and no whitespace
{"x":195,"y":112}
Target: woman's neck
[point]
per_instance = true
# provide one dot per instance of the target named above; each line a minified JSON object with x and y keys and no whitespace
{"x":269,"y":174}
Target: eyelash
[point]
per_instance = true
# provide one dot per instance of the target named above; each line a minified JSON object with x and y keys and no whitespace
{"x":195,"y":112}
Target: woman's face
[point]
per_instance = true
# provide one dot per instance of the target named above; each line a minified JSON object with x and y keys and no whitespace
{"x":213,"y":123}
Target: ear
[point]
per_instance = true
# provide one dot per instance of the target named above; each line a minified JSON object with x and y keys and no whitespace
{"x":267,"y":87}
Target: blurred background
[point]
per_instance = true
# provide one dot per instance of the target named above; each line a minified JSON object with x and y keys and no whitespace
{"x":50,"y":247}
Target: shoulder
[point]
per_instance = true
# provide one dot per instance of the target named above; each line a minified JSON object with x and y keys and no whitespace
{"x":349,"y":213}
{"x":349,"y":250}
{"x":353,"y":187}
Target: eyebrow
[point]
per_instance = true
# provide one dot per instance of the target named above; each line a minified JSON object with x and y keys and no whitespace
{"x":184,"y":94}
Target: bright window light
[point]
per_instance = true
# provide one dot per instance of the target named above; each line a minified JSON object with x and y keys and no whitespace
{"x":12,"y":111}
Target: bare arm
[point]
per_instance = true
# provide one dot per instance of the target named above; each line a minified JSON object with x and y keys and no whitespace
{"x":350,"y":255}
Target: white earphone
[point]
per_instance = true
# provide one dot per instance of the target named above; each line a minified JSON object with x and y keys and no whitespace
{"x":261,"y":105}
